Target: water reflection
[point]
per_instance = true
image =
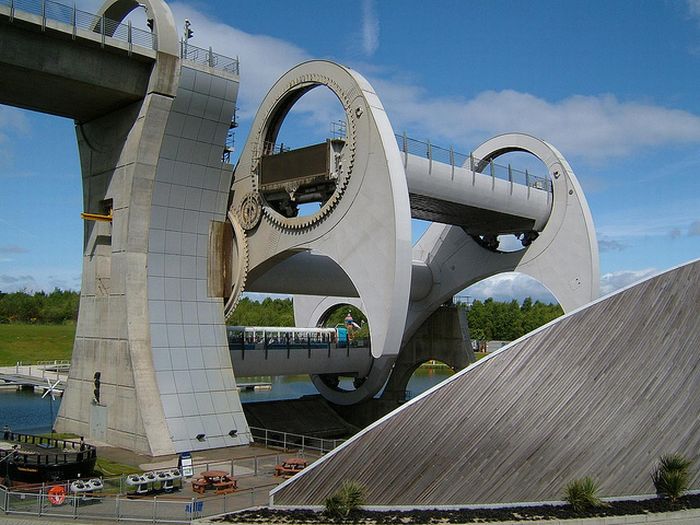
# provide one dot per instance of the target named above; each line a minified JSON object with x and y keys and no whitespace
{"x":25,"y":411}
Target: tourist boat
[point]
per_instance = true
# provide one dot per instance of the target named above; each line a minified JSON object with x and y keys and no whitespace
{"x":26,"y":458}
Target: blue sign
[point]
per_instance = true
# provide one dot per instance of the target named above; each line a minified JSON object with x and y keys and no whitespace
{"x":198,"y":507}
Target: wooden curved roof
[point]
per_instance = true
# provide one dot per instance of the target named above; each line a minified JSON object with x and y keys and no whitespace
{"x":601,"y":392}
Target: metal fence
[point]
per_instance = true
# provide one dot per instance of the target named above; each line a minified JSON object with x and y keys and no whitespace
{"x":455,"y":159}
{"x":287,"y":441}
{"x":158,"y":509}
{"x":207,"y":57}
{"x":75,"y":19}
{"x":113,"y":502}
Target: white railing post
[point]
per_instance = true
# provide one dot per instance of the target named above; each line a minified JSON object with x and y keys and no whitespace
{"x":527,"y":182}
{"x":493,"y":174}
{"x":43,"y":15}
{"x":102,"y":30}
{"x":452,"y":160}
{"x":211,"y":57}
{"x":74,"y":20}
{"x":510,"y":178}
{"x":128,"y":36}
{"x":12,"y":18}
{"x":430,"y":158}
{"x":405,"y":150}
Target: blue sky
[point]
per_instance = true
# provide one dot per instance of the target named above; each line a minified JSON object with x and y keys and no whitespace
{"x":613,"y":85}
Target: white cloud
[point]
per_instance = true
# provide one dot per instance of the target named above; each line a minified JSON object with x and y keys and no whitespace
{"x":590,"y":127}
{"x":263,"y":59}
{"x":15,"y":283}
{"x":370,"y":28}
{"x":694,"y":8}
{"x":612,"y":281}
{"x":694,"y":228}
{"x":509,"y":286}
{"x":12,"y":121}
{"x":13,"y":248}
{"x":611,"y":245}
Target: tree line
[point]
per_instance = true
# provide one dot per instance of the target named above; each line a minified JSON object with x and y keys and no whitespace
{"x":493,"y":320}
{"x":59,"y":306}
{"x":488,"y":320}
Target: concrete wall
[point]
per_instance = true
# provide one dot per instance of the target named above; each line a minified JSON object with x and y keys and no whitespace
{"x":190,"y":349}
{"x":146,"y":321}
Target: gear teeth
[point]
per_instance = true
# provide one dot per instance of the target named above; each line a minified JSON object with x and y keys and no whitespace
{"x":303,"y":223}
{"x":241,"y":277}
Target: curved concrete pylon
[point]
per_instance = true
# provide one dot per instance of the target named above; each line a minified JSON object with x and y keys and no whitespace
{"x":564,"y":257}
{"x":366,"y":217}
{"x":157,"y":10}
{"x":151,"y":322}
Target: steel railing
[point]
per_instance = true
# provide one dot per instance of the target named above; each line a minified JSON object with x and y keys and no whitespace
{"x":114,"y":503}
{"x":290,"y":441}
{"x":74,"y":19}
{"x":455,"y":159}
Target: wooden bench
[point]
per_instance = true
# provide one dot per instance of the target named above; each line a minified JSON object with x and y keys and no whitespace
{"x":199,"y":485}
{"x":226,"y":487}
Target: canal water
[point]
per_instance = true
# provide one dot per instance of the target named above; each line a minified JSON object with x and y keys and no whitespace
{"x":25,"y":411}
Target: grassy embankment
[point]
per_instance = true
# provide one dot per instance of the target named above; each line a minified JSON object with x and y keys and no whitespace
{"x":35,"y":342}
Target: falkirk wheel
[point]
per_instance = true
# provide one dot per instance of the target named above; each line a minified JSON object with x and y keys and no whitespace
{"x":356,"y":248}
{"x":187,"y":233}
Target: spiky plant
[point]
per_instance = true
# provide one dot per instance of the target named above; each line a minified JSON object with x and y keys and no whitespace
{"x":671,"y":476}
{"x":582,"y":494}
{"x":349,"y":497}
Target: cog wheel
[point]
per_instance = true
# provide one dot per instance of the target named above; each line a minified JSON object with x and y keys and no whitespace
{"x":250,"y":210}
{"x":347,"y":156}
{"x":238,"y":267}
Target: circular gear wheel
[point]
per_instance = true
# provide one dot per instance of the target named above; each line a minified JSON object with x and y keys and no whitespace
{"x":347,"y":156}
{"x":238,"y":267}
{"x":250,"y":211}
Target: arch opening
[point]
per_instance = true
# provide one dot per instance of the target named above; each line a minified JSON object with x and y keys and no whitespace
{"x":303,"y":159}
{"x":506,"y":306}
{"x":354,"y":322}
{"x":426,"y":375}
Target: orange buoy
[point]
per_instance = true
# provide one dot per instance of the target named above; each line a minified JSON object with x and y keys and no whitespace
{"x":57,"y":495}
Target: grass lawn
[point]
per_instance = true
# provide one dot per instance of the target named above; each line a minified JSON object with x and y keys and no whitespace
{"x":35,"y":342}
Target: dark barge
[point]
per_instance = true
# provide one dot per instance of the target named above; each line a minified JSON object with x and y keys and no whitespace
{"x":26,"y":458}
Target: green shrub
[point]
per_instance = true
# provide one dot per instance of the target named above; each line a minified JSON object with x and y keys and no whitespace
{"x":582,"y":494}
{"x":674,"y":462}
{"x":349,"y":497}
{"x":671,"y":476}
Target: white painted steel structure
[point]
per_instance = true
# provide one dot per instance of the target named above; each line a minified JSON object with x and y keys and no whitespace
{"x":355,"y":249}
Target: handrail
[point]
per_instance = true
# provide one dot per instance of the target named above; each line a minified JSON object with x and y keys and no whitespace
{"x":288,"y":440}
{"x":75,"y":19}
{"x":455,"y":159}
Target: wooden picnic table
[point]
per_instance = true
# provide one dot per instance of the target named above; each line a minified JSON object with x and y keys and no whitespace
{"x":290,"y":466}
{"x":220,"y":480}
